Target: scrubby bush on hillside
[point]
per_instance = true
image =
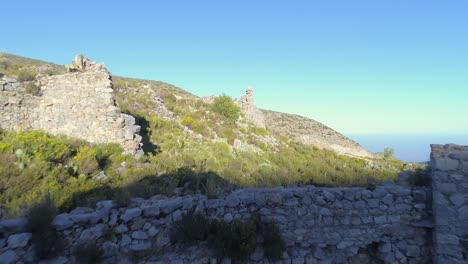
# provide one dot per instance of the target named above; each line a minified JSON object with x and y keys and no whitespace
{"x":225,"y":106}
{"x":26,"y":75}
{"x":47,"y":242}
{"x":88,"y":252}
{"x":388,"y":153}
{"x":191,"y":228}
{"x":86,"y":161}
{"x":273,"y":244}
{"x":33,"y":89}
{"x":236,"y":239}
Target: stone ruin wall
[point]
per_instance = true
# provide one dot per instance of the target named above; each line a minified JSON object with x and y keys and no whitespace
{"x":248,"y":108}
{"x":450,"y":203}
{"x":388,"y":224}
{"x":78,"y":104}
{"x":318,"y":225}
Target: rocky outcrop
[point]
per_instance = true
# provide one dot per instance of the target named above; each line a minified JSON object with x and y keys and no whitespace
{"x":248,"y":108}
{"x":313,"y":133}
{"x":78,"y":104}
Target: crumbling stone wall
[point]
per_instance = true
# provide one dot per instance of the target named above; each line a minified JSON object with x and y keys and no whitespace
{"x":450,"y":203}
{"x":319,"y":225}
{"x":78,"y":104}
{"x":247,"y":105}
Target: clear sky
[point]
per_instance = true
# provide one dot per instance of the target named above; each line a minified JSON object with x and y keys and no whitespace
{"x":361,"y":66}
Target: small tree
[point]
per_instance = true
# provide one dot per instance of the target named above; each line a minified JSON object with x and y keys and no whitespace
{"x":388,"y":153}
{"x":225,"y":106}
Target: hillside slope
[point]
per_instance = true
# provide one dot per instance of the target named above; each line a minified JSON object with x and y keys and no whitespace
{"x":311,"y":132}
{"x":191,"y":145}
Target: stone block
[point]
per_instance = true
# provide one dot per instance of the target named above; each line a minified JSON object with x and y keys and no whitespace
{"x":457,"y":199}
{"x":463,"y":213}
{"x":12,"y":226}
{"x":171,"y":205}
{"x":446,"y":164}
{"x":139,"y":235}
{"x":19,"y":240}
{"x":152,"y":210}
{"x":130,"y":214}
{"x":125,"y":241}
{"x":8,"y":257}
{"x":447,"y":188}
{"x":413,"y":251}
{"x":140,"y":247}
{"x":380,"y":220}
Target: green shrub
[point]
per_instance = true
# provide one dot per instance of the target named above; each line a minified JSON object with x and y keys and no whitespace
{"x":88,"y":253}
{"x":191,"y":228}
{"x":236,"y":240}
{"x":273,"y":244}
{"x":86,"y":161}
{"x":107,"y":153}
{"x":47,"y":242}
{"x":26,"y":75}
{"x":187,"y":121}
{"x":225,"y":106}
{"x":123,"y":198}
{"x":39,"y":144}
{"x":32,"y":88}
{"x":420,"y":177}
{"x":388,"y":153}
{"x":5,"y":64}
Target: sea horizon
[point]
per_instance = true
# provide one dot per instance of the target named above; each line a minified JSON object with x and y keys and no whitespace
{"x":408,"y":147}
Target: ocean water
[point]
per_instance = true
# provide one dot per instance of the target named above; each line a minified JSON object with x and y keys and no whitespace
{"x":408,"y":147}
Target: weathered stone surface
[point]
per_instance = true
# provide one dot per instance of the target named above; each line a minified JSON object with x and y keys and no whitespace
{"x":449,"y":203}
{"x":92,"y":217}
{"x":140,"y":235}
{"x":446,"y":164}
{"x":8,"y":257}
{"x":19,"y":240}
{"x":79,"y":104}
{"x":140,"y":247}
{"x":130,"y":214}
{"x":247,"y":105}
{"x":62,"y":222}
{"x":12,"y":226}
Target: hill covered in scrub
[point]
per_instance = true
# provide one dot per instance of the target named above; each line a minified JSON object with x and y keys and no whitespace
{"x":190,"y":144}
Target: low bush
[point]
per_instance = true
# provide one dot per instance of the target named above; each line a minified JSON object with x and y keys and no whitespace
{"x":86,"y":161}
{"x":225,"y":106}
{"x":191,"y":228}
{"x":26,"y":75}
{"x":236,"y":240}
{"x":88,"y":253}
{"x":47,"y":242}
{"x":273,"y":243}
{"x":420,"y":177}
{"x":32,"y":88}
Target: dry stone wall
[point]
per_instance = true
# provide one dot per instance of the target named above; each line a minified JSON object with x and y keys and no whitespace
{"x":318,"y":225}
{"x":78,"y":104}
{"x":450,"y":203}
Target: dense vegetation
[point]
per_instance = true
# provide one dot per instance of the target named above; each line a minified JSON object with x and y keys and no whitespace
{"x":189,"y":146}
{"x":235,"y":239}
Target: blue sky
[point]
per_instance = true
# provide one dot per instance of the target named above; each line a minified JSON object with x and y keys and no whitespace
{"x":390,"y":66}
